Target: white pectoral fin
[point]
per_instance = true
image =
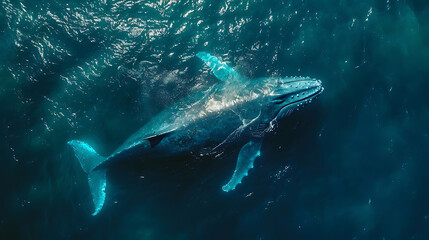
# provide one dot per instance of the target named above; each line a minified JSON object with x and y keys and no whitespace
{"x":248,"y":153}
{"x":220,"y":69}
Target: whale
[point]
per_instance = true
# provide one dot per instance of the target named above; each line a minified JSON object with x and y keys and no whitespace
{"x":235,"y":113}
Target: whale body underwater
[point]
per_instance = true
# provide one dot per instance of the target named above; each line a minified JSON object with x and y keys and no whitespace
{"x":236,"y":112}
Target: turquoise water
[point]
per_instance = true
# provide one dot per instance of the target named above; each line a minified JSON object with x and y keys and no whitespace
{"x":351,"y":165}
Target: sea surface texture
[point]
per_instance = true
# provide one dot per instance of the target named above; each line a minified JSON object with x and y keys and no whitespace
{"x":354,"y":164}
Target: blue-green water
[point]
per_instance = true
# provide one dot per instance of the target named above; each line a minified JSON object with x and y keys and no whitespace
{"x":352,"y":165}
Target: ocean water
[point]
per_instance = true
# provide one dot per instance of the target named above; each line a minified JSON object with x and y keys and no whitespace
{"x":353,"y":164}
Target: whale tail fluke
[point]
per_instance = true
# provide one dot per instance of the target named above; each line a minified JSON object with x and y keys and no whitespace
{"x":89,"y":159}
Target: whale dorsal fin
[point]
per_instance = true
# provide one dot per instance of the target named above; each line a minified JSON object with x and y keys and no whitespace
{"x":220,"y":69}
{"x":155,"y":139}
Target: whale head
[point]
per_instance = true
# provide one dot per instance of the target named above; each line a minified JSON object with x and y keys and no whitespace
{"x":289,"y":94}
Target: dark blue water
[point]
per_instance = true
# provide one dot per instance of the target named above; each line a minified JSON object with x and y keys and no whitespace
{"x":352,"y":165}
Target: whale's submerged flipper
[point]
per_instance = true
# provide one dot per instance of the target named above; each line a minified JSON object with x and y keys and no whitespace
{"x":220,"y":69}
{"x":89,"y":160}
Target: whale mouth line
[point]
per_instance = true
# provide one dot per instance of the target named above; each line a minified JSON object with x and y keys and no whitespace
{"x":306,"y":98}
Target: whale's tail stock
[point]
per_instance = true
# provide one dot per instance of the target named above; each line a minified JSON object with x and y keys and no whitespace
{"x":89,"y":159}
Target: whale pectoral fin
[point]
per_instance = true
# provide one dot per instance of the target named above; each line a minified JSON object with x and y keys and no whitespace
{"x":220,"y":69}
{"x":246,"y":158}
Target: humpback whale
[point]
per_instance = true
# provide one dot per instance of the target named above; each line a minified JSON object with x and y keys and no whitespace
{"x":234,"y":113}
